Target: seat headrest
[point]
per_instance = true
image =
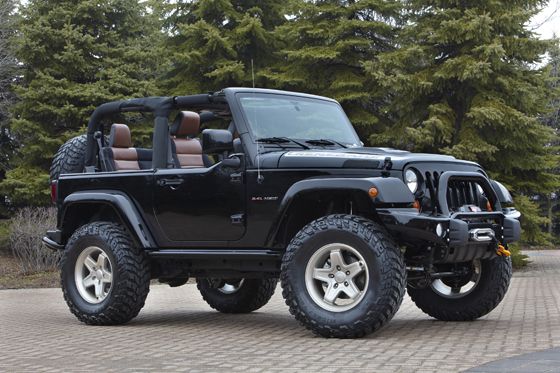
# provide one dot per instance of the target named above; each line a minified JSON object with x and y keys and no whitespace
{"x":186,"y":123}
{"x":120,"y":136}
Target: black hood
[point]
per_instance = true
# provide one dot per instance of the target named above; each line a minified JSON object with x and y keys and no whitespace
{"x":359,"y":157}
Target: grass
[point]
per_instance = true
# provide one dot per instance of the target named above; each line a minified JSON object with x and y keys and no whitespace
{"x":11,"y":277}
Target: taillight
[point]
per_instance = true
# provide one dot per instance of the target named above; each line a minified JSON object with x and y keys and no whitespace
{"x":54,"y":185}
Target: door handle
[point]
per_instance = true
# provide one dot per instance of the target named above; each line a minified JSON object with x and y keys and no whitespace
{"x":170,"y":182}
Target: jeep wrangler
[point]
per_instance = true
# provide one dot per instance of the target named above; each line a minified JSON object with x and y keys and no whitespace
{"x":247,"y":186}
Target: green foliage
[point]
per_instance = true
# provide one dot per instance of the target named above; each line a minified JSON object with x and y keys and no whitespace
{"x":76,"y":55}
{"x":463,"y":83}
{"x":326,"y":45}
{"x":8,"y":75}
{"x":532,"y":221}
{"x":27,"y":185}
{"x":216,"y":43}
{"x":518,"y":259}
{"x":552,"y":115}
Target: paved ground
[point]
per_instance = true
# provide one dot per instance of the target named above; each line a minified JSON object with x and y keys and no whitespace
{"x":534,"y":362}
{"x":176,"y":331}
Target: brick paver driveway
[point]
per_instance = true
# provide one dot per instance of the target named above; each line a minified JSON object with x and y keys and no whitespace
{"x":177,"y":331}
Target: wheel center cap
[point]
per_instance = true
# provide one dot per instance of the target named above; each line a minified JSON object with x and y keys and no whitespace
{"x":340,"y":276}
{"x":99,"y":274}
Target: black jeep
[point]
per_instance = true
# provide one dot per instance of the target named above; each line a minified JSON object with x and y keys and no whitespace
{"x":252,"y":185}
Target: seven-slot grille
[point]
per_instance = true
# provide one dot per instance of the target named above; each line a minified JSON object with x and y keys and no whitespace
{"x":459,"y":192}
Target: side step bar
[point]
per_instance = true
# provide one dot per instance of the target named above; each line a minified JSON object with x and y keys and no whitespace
{"x":220,"y":260}
{"x":215,"y":253}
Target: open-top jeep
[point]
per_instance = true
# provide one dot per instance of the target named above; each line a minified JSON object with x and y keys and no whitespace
{"x":278,"y":185}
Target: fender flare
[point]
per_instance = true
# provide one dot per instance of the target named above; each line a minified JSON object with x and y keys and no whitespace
{"x":389,"y":190}
{"x":122,"y":205}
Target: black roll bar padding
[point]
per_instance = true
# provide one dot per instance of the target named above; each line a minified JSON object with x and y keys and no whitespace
{"x":160,"y":142}
{"x":160,"y":106}
{"x":192,"y":100}
{"x":464,"y":176}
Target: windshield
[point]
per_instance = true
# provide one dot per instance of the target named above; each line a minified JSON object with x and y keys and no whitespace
{"x":276,"y":116}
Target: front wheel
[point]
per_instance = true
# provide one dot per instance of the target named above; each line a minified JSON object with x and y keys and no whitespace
{"x":467,"y":297}
{"x":343,"y":276}
{"x":242,"y":295}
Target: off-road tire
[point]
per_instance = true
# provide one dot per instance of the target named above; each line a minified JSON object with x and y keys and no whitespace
{"x":70,"y":157}
{"x":387,"y":276}
{"x":131,"y":274}
{"x":489,"y":291}
{"x":252,"y":295}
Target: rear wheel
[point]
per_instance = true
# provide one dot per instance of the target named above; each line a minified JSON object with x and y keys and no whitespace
{"x":240,"y":295}
{"x":343,"y":276}
{"x":105,"y":279}
{"x":467,"y":297}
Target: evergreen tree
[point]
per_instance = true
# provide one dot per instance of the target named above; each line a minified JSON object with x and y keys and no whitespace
{"x":76,"y":54}
{"x":326,"y":44}
{"x":219,"y":43}
{"x":552,"y":119}
{"x":8,"y":76}
{"x":463,"y":83}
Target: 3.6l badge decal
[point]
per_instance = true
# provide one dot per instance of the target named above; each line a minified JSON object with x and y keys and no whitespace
{"x":264,"y":198}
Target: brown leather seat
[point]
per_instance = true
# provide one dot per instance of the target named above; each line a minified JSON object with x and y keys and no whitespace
{"x":120,"y":155}
{"x":187,"y":151}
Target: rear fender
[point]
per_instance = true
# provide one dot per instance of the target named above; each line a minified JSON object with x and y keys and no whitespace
{"x":123,"y":207}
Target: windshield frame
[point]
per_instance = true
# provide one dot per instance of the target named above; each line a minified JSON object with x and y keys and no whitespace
{"x":307,"y":98}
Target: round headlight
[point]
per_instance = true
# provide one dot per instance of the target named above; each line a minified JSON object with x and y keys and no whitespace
{"x":411,"y":180}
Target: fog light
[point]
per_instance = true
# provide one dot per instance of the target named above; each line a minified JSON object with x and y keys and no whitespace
{"x":439,"y":230}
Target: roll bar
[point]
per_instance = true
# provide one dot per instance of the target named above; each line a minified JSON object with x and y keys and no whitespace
{"x":160,"y":106}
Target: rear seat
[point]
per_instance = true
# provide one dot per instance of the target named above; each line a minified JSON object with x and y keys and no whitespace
{"x":120,"y":155}
{"x":186,"y":149}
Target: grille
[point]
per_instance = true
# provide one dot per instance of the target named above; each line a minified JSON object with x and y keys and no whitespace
{"x":459,"y":193}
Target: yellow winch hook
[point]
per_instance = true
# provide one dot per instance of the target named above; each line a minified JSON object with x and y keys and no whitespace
{"x":502,"y":251}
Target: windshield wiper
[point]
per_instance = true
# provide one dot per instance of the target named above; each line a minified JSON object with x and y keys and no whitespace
{"x":325,"y":142}
{"x":281,"y":140}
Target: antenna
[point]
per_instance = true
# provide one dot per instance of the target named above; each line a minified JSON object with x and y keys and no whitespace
{"x":260,"y":178}
{"x":253,"y":72}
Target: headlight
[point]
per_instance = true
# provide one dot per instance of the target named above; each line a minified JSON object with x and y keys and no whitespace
{"x":411,"y":180}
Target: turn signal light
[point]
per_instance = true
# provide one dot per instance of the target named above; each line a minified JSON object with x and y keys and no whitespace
{"x":416,"y":205}
{"x":373,"y":192}
{"x":488,"y":206}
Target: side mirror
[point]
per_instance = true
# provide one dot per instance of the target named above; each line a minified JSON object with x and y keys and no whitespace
{"x":216,"y":141}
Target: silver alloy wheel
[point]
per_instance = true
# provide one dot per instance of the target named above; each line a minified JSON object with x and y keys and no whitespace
{"x":336,"y":277}
{"x":446,"y":291}
{"x":231,"y":287}
{"x":93,"y":275}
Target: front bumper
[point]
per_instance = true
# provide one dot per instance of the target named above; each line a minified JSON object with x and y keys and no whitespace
{"x":460,"y":236}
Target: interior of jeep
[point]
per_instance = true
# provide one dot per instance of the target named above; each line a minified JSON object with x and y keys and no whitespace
{"x":186,"y":151}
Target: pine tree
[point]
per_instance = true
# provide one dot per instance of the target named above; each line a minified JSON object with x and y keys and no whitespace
{"x":552,"y":120}
{"x":219,"y":43}
{"x":8,"y":76}
{"x":76,"y":54}
{"x":463,"y":82}
{"x":326,"y":44}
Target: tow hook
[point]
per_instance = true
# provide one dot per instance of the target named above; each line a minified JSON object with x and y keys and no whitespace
{"x":502,"y":251}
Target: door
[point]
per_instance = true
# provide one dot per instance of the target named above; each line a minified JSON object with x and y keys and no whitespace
{"x":199,"y":204}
